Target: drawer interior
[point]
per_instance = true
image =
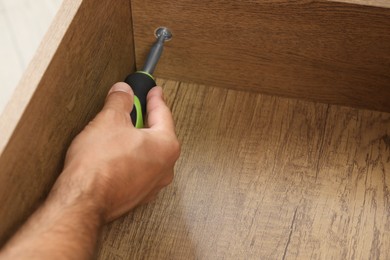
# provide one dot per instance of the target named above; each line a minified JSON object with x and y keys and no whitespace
{"x":284,"y":123}
{"x":264,"y":177}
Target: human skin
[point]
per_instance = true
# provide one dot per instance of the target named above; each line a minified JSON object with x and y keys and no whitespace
{"x":110,"y":168}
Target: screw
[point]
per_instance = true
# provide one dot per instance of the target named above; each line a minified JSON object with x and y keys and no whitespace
{"x":163,"y":32}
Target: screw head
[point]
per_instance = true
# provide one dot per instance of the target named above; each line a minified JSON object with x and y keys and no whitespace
{"x":163,"y":32}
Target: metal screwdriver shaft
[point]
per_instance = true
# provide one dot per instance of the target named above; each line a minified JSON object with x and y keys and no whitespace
{"x":163,"y":35}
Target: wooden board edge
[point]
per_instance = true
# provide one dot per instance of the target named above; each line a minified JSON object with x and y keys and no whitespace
{"x":29,"y":82}
{"x":87,"y":49}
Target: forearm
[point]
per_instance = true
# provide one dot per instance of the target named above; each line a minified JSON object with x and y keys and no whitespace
{"x":66,"y":226}
{"x":110,"y":168}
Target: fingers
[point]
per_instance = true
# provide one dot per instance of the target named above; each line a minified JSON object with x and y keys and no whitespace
{"x":159,"y":115}
{"x":120,"y":98}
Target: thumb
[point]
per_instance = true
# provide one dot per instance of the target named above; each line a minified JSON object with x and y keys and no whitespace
{"x":120,"y":98}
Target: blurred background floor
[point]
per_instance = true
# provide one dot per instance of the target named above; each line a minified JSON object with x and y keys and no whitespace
{"x":23,"y":24}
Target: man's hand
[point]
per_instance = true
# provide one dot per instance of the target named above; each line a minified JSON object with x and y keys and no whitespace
{"x":110,"y":168}
{"x":122,"y":166}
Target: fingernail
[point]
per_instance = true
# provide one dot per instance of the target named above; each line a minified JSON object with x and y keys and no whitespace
{"x":119,"y":87}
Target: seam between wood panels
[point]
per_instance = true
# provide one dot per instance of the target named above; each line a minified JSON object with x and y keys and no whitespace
{"x":174,"y":99}
{"x":322,"y":142}
{"x":289,"y":235}
{"x":133,"y":36}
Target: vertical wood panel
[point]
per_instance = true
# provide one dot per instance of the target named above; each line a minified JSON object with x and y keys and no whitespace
{"x":88,"y":48}
{"x":328,"y":51}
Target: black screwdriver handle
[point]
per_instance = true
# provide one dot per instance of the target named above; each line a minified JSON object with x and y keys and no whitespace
{"x":141,"y":83}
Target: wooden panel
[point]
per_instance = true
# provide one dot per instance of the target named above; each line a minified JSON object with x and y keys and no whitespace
{"x":88,"y":48}
{"x":327,"y":51}
{"x":264,"y":177}
{"x":22,"y":25}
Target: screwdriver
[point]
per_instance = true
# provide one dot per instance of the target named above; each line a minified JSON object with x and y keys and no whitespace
{"x":142,"y":81}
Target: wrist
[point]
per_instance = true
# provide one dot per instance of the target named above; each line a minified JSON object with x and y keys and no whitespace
{"x":75,"y":189}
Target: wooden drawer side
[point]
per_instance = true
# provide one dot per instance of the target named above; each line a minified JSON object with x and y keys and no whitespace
{"x":88,"y":47}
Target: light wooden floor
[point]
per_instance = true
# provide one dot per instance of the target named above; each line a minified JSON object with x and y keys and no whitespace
{"x":263,"y":177}
{"x":22,"y":26}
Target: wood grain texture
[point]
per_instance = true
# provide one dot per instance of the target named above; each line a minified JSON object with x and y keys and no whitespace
{"x":264,"y":177}
{"x":327,"y":51}
{"x":88,"y":47}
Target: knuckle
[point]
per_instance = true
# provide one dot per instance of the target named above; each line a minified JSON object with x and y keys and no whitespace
{"x":108,"y":112}
{"x":167,"y":180}
{"x":176,"y":148}
{"x":173,"y":149}
{"x":112,"y":115}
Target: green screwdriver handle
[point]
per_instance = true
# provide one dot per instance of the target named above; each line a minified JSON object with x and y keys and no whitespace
{"x":141,"y":83}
